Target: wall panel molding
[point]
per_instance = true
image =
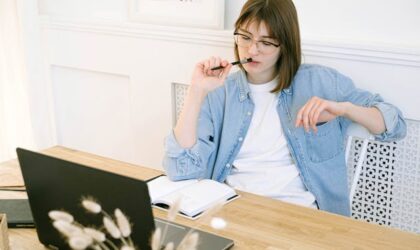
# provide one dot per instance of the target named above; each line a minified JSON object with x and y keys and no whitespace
{"x":349,"y":51}
{"x":363,"y":52}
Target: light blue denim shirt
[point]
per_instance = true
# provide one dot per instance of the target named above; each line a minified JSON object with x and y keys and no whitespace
{"x":226,"y":115}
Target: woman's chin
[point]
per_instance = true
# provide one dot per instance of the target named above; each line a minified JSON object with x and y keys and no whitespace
{"x":251,"y":69}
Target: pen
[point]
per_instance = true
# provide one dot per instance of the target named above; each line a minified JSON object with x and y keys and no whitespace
{"x":243,"y":61}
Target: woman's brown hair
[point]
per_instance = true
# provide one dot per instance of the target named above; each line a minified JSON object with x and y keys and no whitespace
{"x":282,"y":23}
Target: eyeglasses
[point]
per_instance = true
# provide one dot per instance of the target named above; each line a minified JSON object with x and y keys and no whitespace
{"x":246,"y":41}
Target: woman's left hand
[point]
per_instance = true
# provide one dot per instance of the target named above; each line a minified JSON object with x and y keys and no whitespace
{"x":318,"y":110}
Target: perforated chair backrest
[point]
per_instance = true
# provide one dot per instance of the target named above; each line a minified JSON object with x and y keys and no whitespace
{"x":388,"y":188}
{"x":179,"y":90}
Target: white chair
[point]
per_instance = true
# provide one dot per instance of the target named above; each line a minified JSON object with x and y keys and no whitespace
{"x":178,"y":90}
{"x":384,"y":177}
{"x":357,"y":131}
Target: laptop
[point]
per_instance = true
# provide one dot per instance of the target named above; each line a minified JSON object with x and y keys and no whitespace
{"x":56,"y":184}
{"x":18,"y":213}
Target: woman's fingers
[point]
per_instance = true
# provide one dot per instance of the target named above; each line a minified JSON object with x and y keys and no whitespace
{"x":225,"y":72}
{"x":321,"y":108}
{"x":213,"y":62}
{"x":206,"y":66}
{"x":299,"y":117}
{"x":302,"y":119}
{"x":224,"y":63}
{"x":212,"y":65}
{"x":317,"y":109}
{"x":309,"y":113}
{"x":206,"y":79}
{"x":217,"y":61}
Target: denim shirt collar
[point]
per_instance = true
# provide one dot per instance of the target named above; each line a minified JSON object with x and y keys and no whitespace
{"x":243,"y":86}
{"x":288,"y":91}
{"x":244,"y":89}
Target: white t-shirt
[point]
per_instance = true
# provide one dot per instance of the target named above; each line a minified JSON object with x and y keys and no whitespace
{"x":264,"y":165}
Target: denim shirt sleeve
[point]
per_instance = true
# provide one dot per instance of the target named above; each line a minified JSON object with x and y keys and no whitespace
{"x":188,"y":163}
{"x":394,"y":122}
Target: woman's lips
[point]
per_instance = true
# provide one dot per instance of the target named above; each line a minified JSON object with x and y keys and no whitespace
{"x":253,"y":63}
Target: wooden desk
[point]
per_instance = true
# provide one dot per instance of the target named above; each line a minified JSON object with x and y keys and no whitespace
{"x":254,"y":222}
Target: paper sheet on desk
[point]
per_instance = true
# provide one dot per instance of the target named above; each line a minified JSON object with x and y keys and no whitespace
{"x":160,"y":187}
{"x":10,"y":175}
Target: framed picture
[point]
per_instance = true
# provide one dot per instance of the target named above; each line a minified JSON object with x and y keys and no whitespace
{"x":191,"y":13}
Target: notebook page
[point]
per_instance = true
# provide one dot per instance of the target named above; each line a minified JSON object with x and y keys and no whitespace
{"x":202,"y":195}
{"x":162,"y":186}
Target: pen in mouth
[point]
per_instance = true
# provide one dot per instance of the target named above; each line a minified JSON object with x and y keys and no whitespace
{"x":243,"y":61}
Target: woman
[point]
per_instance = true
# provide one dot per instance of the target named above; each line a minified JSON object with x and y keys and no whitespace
{"x":276,"y":127}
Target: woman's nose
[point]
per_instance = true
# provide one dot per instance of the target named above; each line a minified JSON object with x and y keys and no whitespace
{"x":253,"y":49}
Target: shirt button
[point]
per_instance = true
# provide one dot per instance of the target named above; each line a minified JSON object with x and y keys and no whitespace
{"x":249,"y":113}
{"x":240,"y":139}
{"x":227,"y":165}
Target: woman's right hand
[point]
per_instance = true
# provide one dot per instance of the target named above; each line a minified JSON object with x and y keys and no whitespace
{"x":204,"y":79}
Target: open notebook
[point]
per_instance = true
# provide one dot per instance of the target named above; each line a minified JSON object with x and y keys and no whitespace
{"x":196,"y":195}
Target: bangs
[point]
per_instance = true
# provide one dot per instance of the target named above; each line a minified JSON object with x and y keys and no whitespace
{"x":257,"y":16}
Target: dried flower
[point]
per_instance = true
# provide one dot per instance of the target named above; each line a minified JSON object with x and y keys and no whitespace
{"x":80,"y":242}
{"x":169,"y":246}
{"x":91,"y":206}
{"x":111,"y":228}
{"x":189,"y":242}
{"x":80,"y":237}
{"x":172,"y":213}
{"x":125,"y":247}
{"x":174,"y":209}
{"x":156,"y":239}
{"x":66,"y":228}
{"x":61,"y":215}
{"x":123,"y":223}
{"x":96,"y":235}
{"x":218,"y":223}
{"x":96,"y":247}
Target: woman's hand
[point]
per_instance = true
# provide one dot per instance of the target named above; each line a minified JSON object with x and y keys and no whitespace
{"x":318,"y":110}
{"x":204,"y":79}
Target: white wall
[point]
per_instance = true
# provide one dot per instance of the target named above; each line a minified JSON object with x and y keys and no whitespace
{"x":130,"y":70}
{"x":115,"y":10}
{"x":390,"y":22}
{"x":111,"y":77}
{"x":376,"y":22}
{"x":38,"y":76}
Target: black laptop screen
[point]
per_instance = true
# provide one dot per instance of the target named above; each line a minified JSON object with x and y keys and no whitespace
{"x":55,"y":184}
